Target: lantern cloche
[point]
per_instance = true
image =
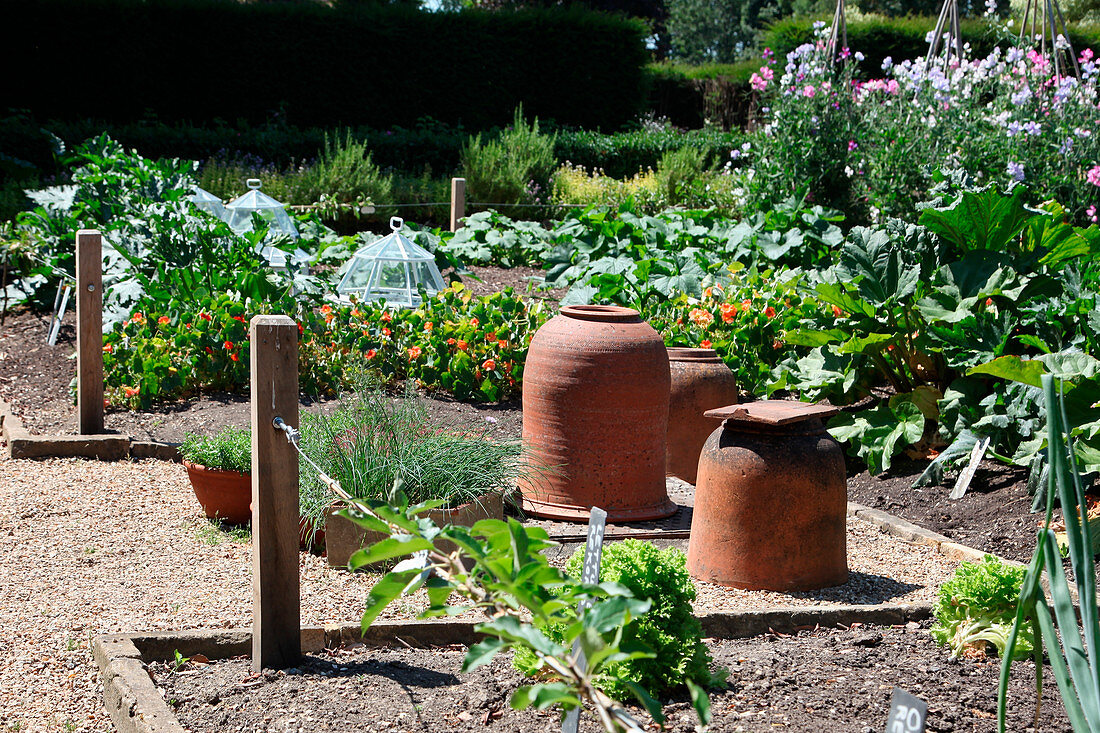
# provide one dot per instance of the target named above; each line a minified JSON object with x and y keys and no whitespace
{"x":392,"y":268}
{"x":208,"y":202}
{"x":240,"y":211}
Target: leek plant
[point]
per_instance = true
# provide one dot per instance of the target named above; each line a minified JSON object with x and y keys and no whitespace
{"x":1076,"y":660}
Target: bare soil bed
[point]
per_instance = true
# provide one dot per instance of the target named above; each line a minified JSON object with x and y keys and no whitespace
{"x":821,"y":679}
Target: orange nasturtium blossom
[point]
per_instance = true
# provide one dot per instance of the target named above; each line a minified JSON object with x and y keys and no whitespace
{"x":488,"y":365}
{"x":240,"y":318}
{"x":163,"y":320}
{"x":746,"y":304}
{"x":729,"y":310}
{"x":414,"y":353}
{"x":700,"y":317}
{"x":490,"y":336}
{"x":503,"y":343}
{"x":108,"y":349}
{"x":386,"y":317}
{"x":474,"y":321}
{"x":769,"y":312}
{"x":705,"y":343}
{"x":451,"y":341}
{"x":130,"y":391}
{"x":386,"y":332}
{"x":462,"y":345}
{"x":228,"y":345}
{"x":326,"y":309}
{"x":371,"y":353}
{"x":837,"y":311}
{"x":206,"y":316}
{"x":234,"y":356}
{"x":428,"y":327}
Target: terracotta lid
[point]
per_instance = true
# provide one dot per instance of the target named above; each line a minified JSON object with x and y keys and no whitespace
{"x":684,"y":353}
{"x":603,"y":313}
{"x":772,"y":412}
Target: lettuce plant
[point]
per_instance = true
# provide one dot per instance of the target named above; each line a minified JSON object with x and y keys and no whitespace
{"x":977,"y":606}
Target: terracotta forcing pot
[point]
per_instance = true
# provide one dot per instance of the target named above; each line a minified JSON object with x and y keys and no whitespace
{"x":701,"y":381}
{"x":771,"y":500}
{"x":343,"y":537}
{"x":225,"y":495}
{"x":595,"y":414}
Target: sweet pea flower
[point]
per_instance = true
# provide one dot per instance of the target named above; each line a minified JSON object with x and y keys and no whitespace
{"x":1093,"y":176}
{"x":1016,"y":170}
{"x":808,"y":91}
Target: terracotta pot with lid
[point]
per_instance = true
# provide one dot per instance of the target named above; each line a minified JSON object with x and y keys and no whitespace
{"x":701,"y":381}
{"x":595,"y":415}
{"x":771,"y":501}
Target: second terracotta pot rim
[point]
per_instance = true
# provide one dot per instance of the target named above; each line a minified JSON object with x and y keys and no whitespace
{"x":691,"y":353}
{"x":605,"y":313}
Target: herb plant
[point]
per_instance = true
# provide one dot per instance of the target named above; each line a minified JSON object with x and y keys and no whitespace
{"x":228,"y":450}
{"x":498,"y":568}
{"x":977,"y":606}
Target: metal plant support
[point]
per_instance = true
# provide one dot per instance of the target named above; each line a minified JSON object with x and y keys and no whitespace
{"x":838,"y":33}
{"x":1043,"y":21}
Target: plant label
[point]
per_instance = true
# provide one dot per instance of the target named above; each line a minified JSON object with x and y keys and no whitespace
{"x":593,"y":552}
{"x":907,"y":713}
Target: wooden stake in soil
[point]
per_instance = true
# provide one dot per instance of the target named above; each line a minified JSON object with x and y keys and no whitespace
{"x":458,"y":202}
{"x":89,"y":331}
{"x":276,"y":610}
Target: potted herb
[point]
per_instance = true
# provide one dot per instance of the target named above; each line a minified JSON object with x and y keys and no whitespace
{"x":373,"y":440}
{"x":219,"y":467}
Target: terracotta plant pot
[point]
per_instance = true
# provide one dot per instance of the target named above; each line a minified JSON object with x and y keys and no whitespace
{"x":771,"y":500}
{"x":343,"y":537}
{"x":595,"y":413}
{"x":225,"y":495}
{"x":701,"y":381}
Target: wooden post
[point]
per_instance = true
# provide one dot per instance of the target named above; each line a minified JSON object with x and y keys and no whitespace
{"x":276,"y":638}
{"x":458,"y":202}
{"x":89,"y":331}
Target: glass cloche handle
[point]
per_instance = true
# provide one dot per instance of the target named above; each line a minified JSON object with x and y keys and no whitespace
{"x":253,"y":183}
{"x":396,"y":222}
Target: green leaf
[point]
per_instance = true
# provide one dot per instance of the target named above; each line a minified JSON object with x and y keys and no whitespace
{"x":813,"y":337}
{"x":1027,"y":371}
{"x":981,"y":219}
{"x":836,"y":294}
{"x":543,"y":696}
{"x":390,"y":547}
{"x":512,"y":629}
{"x":700,"y":701}
{"x":482,"y":653}
{"x":384,"y":592}
{"x":653,"y":707}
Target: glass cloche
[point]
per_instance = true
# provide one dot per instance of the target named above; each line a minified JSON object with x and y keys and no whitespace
{"x":392,"y":268}
{"x":208,"y":202}
{"x":240,"y":211}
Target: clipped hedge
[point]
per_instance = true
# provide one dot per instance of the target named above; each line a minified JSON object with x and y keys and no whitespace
{"x":691,"y":96}
{"x":623,"y":154}
{"x":351,"y":63}
{"x":899,"y":38}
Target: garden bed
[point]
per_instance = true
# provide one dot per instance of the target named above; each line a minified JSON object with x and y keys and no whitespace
{"x":838,"y":679}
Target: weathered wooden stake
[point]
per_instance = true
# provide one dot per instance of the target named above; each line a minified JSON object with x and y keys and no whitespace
{"x":458,"y":202}
{"x":89,"y":331}
{"x":276,"y":638}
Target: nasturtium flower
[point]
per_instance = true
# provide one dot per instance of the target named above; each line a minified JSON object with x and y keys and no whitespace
{"x":206,"y":316}
{"x":130,"y":391}
{"x":228,"y":345}
{"x":729,"y":312}
{"x":769,"y":312}
{"x":234,"y":356}
{"x":488,"y":365}
{"x":386,"y":332}
{"x":451,"y":342}
{"x":462,"y":345}
{"x":700,"y":317}
{"x":705,"y":343}
{"x":371,"y":353}
{"x":163,"y":320}
{"x":414,"y":352}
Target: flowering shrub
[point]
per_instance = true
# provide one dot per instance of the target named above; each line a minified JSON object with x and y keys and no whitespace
{"x":473,"y":348}
{"x":743,"y":321}
{"x":871,"y":147}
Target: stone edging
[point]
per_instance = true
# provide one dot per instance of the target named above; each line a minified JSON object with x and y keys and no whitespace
{"x":18,"y":443}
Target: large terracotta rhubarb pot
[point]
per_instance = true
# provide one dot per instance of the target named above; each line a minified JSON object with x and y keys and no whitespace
{"x":595,"y":413}
{"x":225,"y":495}
{"x":343,"y":537}
{"x":771,"y":500}
{"x":701,"y":381}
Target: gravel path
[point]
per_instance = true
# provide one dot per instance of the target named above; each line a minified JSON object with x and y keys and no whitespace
{"x":88,"y":548}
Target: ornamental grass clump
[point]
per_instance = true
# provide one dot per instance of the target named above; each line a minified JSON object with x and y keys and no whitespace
{"x":976,"y":608}
{"x":373,"y":440}
{"x":228,"y":450}
{"x":670,"y":628}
